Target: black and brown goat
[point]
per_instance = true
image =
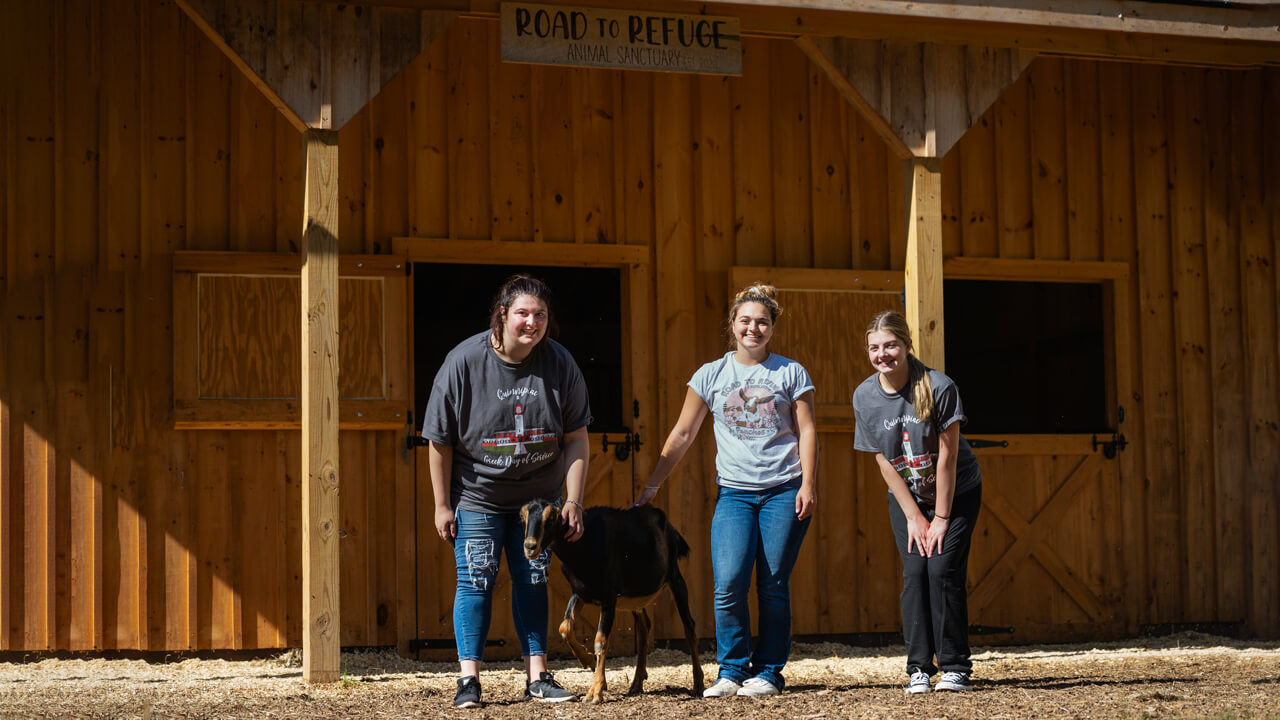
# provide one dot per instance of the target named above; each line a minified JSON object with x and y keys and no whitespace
{"x":622,"y":561}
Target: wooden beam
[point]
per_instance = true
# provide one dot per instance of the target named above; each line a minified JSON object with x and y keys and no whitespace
{"x":218,"y":262}
{"x":317,"y":63}
{"x":517,"y":252}
{"x":827,"y":55}
{"x":923,"y":268}
{"x":1072,"y":271}
{"x":818,"y":279}
{"x":321,"y":654}
{"x":282,"y":414}
{"x":921,"y":98}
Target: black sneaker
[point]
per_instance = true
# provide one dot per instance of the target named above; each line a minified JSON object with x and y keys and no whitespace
{"x":546,"y":689}
{"x":468,"y":692}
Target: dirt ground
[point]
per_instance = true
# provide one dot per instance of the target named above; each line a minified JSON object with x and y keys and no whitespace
{"x":1181,"y":676}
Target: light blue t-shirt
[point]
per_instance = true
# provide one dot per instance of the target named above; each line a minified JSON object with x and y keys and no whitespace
{"x":751,"y":405}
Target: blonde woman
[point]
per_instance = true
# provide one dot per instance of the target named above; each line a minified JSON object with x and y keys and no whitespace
{"x":910,"y":417}
{"x":766,"y":470}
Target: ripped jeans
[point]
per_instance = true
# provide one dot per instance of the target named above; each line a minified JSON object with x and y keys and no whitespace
{"x":481,"y":540}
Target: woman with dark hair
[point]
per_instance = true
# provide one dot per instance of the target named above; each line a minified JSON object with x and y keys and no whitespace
{"x":910,"y":417}
{"x":766,"y":470}
{"x":507,"y":421}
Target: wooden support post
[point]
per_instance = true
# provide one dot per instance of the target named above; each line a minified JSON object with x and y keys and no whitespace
{"x":320,"y":646}
{"x":923,"y":270}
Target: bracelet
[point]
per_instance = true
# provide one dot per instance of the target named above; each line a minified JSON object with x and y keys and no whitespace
{"x":653,"y":487}
{"x":944,"y":517}
{"x":575,"y":502}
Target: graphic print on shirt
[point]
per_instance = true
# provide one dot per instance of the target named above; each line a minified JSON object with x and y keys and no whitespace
{"x":520,"y":445}
{"x":750,"y":409}
{"x":916,"y":470}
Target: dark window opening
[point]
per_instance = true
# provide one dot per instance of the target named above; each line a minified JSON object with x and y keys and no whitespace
{"x":1028,"y":357}
{"x":451,"y":303}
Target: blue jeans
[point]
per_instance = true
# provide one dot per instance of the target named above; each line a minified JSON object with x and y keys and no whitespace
{"x":755,"y":529}
{"x":481,"y":539}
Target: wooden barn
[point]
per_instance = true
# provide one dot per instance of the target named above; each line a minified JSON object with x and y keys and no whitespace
{"x":237,"y":234}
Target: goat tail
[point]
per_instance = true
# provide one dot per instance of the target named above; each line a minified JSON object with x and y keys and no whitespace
{"x":679,"y":548}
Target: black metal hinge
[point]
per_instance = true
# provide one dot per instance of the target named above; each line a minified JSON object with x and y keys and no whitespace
{"x":621,"y":448}
{"x":1109,"y":447}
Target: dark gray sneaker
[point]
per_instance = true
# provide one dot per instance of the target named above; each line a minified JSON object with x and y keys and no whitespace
{"x":955,"y":682}
{"x":468,"y":692}
{"x":546,"y":689}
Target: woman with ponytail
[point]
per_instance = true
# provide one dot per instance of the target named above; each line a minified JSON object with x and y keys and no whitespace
{"x":766,"y":469}
{"x":910,"y":417}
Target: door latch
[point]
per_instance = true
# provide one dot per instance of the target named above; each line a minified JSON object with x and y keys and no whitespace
{"x":621,"y":448}
{"x":1109,"y":447}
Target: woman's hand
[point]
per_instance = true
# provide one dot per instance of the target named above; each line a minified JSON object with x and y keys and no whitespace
{"x":647,"y":496}
{"x":934,"y":536}
{"x":918,"y":533}
{"x":446,"y":525}
{"x":571,"y":517}
{"x":806,"y":501}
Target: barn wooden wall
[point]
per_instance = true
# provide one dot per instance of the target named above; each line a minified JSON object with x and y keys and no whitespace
{"x":1175,"y":172}
{"x":128,"y":136}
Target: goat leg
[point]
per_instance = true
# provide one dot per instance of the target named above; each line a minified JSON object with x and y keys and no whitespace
{"x":680,"y":593}
{"x":643,"y":625}
{"x":607,"y":608}
{"x":568,"y":631}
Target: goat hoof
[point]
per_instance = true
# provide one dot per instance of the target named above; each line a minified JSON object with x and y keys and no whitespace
{"x":595,"y":699}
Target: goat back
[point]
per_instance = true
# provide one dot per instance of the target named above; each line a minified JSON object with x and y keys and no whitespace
{"x":622,"y":553}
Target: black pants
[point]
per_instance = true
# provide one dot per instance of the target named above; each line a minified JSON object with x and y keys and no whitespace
{"x":935,"y":608}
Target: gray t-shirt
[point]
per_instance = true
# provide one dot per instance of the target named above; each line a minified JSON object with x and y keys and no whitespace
{"x":751,"y":406}
{"x":505,"y":422}
{"x":886,"y":423}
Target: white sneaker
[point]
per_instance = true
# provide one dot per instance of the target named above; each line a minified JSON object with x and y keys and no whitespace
{"x":956,"y":681}
{"x":919,"y":683}
{"x":724,"y":687}
{"x":757,"y":686}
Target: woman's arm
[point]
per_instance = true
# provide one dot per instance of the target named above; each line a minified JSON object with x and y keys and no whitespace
{"x":806,"y":429}
{"x":917,"y":526}
{"x":678,"y":442}
{"x":440,"y":463}
{"x":577,"y":450}
{"x":945,"y":479}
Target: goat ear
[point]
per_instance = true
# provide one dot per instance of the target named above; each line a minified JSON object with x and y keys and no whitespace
{"x":548,"y":513}
{"x":524,"y":514}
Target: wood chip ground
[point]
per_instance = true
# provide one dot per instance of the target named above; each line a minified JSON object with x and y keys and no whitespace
{"x":1182,"y":676}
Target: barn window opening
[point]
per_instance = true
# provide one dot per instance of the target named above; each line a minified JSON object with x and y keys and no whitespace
{"x":1028,"y":357}
{"x":451,"y":303}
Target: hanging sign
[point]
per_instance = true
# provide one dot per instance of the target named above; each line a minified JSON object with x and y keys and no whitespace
{"x":623,"y":39}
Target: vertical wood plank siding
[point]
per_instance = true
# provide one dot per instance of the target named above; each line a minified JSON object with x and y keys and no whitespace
{"x":128,"y":136}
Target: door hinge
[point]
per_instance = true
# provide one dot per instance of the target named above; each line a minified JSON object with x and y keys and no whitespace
{"x":621,"y":448}
{"x":1109,"y":447}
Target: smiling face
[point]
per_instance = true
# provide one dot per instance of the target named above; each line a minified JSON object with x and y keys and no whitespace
{"x":887,"y":352}
{"x":524,"y":324}
{"x":752,"y":326}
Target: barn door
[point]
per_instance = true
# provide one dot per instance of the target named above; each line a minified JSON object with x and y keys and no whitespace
{"x":606,"y":282}
{"x":1033,"y":347}
{"x":846,"y":579}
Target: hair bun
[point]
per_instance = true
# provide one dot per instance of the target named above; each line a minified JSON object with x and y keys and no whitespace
{"x":758,"y":289}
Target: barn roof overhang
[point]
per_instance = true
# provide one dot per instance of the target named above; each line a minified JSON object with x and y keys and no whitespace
{"x":1231,"y":34}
